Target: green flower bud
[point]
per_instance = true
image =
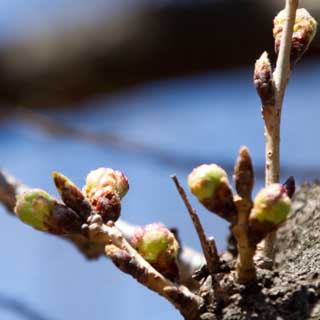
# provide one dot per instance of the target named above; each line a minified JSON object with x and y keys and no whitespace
{"x":34,"y":207}
{"x":106,"y":178}
{"x":271,"y":205}
{"x":204,"y":180}
{"x":154,"y":240}
{"x":304,"y":30}
{"x":209,"y":183}
{"x":157,"y":245}
{"x":71,"y":195}
{"x":38,"y":209}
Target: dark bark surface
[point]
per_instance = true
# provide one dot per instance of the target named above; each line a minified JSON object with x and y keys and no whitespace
{"x":292,"y":290}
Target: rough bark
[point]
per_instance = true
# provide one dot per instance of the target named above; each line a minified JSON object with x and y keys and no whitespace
{"x":292,"y":290}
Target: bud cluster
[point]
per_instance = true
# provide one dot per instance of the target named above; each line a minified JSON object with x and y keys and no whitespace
{"x":269,"y":209}
{"x":304,"y":30}
{"x":101,"y":194}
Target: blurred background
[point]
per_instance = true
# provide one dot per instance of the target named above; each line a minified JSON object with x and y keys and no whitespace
{"x":148,"y":87}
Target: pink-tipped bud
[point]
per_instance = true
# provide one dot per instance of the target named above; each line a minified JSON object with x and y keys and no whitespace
{"x":271,"y":207}
{"x":104,"y":189}
{"x":103,"y":178}
{"x":304,"y":30}
{"x":271,"y":204}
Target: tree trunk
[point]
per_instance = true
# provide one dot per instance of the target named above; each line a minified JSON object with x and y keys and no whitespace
{"x":292,"y":290}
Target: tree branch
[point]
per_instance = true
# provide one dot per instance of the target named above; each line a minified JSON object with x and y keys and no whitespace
{"x":20,"y":308}
{"x":128,"y":260}
{"x":189,"y":260}
{"x":272,"y":114}
{"x":281,"y":74}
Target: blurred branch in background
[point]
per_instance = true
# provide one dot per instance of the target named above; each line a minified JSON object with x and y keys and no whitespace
{"x":21,"y":309}
{"x":55,"y":127}
{"x":61,"y":67}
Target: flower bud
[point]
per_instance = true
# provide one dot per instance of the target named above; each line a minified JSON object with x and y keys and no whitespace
{"x":204,"y":180}
{"x":271,"y":204}
{"x":244,"y":174}
{"x":34,"y":207}
{"x":38,"y":209}
{"x":102,"y":178}
{"x":107,"y":203}
{"x":263,"y":80}
{"x":104,"y":189}
{"x":71,"y":195}
{"x":157,"y":245}
{"x":304,"y":30}
{"x":209,"y":183}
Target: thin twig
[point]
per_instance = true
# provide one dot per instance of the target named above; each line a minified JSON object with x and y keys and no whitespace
{"x":128,"y":260}
{"x":246,"y":271}
{"x":281,"y":74}
{"x":272,"y":114}
{"x":281,"y":77}
{"x":212,"y":247}
{"x":208,"y":248}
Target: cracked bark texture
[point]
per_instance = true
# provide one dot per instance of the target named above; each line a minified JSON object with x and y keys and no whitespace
{"x":292,"y":290}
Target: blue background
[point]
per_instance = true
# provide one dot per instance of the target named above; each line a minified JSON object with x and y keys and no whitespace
{"x":181,"y":123}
